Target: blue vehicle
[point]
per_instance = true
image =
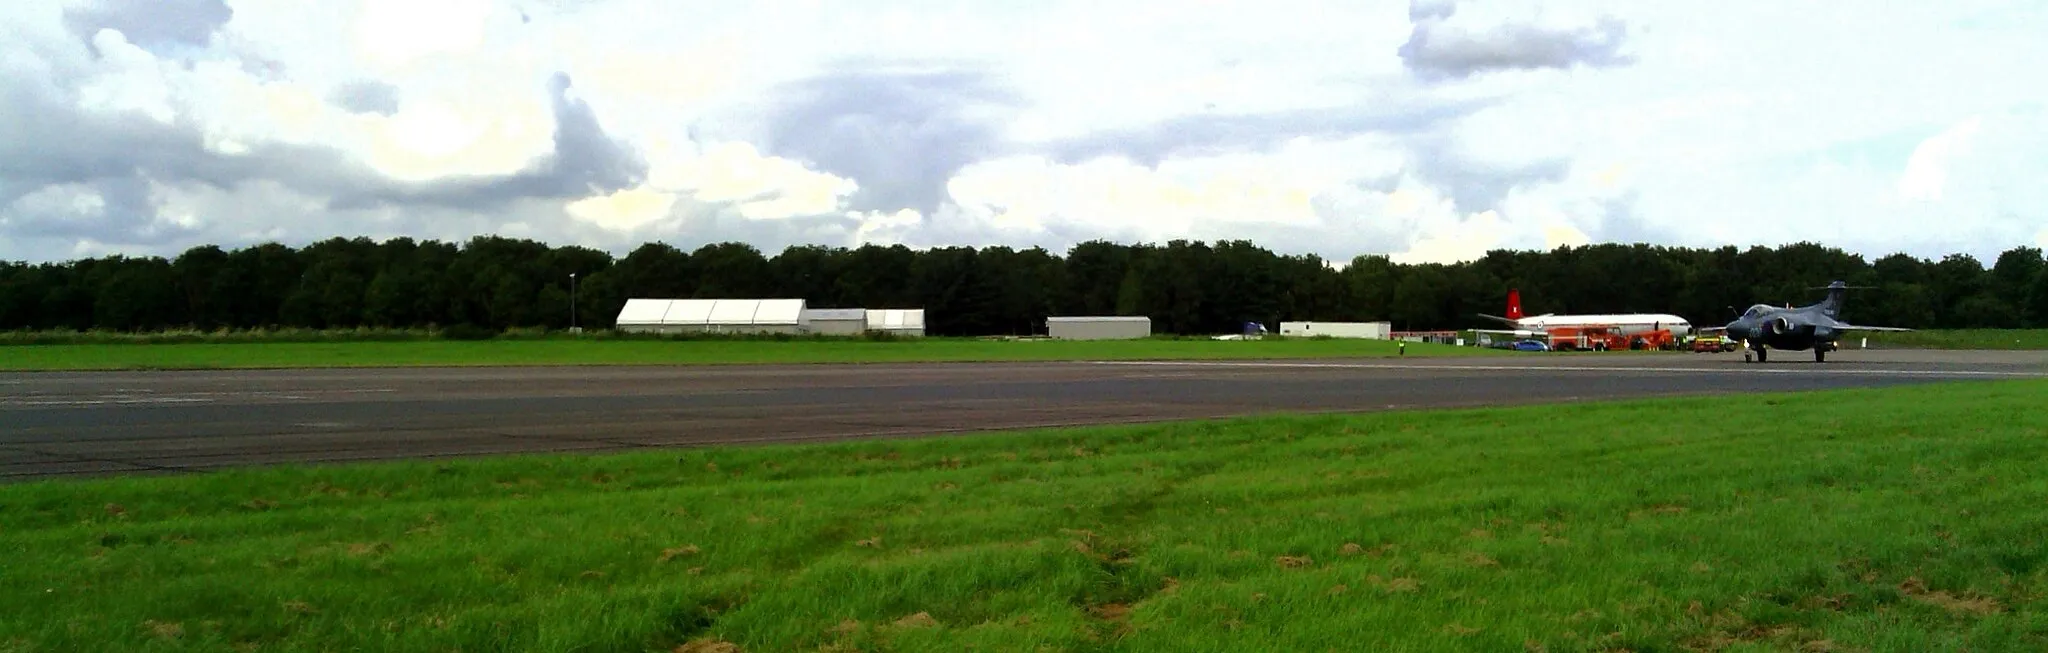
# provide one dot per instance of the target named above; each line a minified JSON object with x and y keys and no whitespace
{"x":1530,"y":345}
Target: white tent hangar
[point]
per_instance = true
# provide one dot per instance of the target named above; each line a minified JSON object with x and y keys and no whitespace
{"x":897,"y":321}
{"x":712,"y":316}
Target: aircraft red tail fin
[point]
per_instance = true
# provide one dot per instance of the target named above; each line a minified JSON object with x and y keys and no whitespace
{"x":1514,"y":304}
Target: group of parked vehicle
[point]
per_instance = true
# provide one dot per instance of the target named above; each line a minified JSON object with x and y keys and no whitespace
{"x":1696,"y":344}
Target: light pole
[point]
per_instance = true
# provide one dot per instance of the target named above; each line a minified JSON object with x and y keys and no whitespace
{"x":572,"y":303}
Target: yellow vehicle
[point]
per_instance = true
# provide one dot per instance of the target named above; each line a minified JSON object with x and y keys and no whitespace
{"x":1712,"y":344}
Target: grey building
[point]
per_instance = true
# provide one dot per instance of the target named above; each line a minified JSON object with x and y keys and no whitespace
{"x":836,"y":321}
{"x":1099,"y":327}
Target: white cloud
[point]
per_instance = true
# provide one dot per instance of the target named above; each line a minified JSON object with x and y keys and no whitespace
{"x":1564,"y":235}
{"x":133,"y":81}
{"x":764,"y":187}
{"x":623,"y":210}
{"x":1461,"y":241}
{"x":76,"y":200}
{"x":1118,"y":195}
{"x":1904,"y":130}
{"x":886,"y":228}
{"x":390,"y":34}
{"x":1927,"y":170}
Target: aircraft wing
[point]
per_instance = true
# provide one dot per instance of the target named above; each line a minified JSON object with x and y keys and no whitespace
{"x":1509,"y":322}
{"x":1509,"y":332}
{"x":1854,"y":327}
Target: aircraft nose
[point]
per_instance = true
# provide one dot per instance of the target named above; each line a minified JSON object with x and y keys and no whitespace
{"x":1738,"y":331}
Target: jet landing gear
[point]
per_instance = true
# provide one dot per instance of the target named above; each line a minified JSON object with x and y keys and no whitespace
{"x":1761,"y":355}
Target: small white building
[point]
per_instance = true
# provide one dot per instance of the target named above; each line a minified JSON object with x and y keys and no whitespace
{"x":1373,"y":330}
{"x":712,"y":316}
{"x":835,"y":321}
{"x":896,"y":321}
{"x":1098,"y":327}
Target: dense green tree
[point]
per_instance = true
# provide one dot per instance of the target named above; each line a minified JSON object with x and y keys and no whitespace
{"x":1095,"y":273}
{"x":810,"y":273}
{"x":1370,"y":282}
{"x":733,"y":270}
{"x":2037,"y":299}
{"x":879,"y":277}
{"x":656,"y":270}
{"x":1956,"y":278}
{"x":1184,"y":286}
{"x":959,"y":296}
{"x":19,"y":286}
{"x":136,"y":294}
{"x":196,"y":270}
{"x":2012,"y":280}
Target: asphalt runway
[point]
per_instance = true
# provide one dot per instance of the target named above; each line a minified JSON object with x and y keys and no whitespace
{"x":95,"y":423}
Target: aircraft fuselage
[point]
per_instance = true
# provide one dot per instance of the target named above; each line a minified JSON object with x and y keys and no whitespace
{"x":1627,"y":324}
{"x":1779,"y":332}
{"x":1800,"y":340}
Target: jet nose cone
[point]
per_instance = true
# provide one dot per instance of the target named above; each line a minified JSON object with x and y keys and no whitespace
{"x":1738,"y":331}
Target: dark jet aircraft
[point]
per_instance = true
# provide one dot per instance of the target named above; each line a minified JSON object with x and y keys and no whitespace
{"x":1813,"y":327}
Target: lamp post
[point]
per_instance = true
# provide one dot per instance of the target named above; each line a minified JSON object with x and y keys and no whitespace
{"x":572,"y":303}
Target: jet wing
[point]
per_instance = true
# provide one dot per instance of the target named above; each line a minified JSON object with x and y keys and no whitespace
{"x":1503,"y":320}
{"x":1855,"y":327}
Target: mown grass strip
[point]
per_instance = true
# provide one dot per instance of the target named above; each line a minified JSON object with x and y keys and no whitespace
{"x":1894,"y":519}
{"x":1956,"y":339}
{"x":680,"y":352}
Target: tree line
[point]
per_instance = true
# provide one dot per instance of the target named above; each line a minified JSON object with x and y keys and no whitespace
{"x":1187,"y":287}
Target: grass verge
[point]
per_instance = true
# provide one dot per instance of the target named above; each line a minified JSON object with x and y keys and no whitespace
{"x":1896,"y":519}
{"x":1957,"y":339}
{"x":678,"y":352}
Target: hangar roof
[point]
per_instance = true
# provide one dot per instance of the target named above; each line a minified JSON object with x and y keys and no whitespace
{"x":639,"y":311}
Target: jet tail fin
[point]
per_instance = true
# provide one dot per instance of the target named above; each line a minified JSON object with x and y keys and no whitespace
{"x":1832,"y":306}
{"x":1514,"y":304}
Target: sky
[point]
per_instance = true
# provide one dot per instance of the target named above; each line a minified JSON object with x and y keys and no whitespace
{"x":1430,"y":132}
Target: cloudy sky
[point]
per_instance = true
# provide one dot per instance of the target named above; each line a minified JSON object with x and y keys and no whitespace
{"x":1431,"y":131}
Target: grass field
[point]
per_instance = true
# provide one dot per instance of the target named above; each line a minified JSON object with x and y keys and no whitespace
{"x":1880,"y":520}
{"x":408,"y":347}
{"x":672,"y":352}
{"x":1962,"y":339}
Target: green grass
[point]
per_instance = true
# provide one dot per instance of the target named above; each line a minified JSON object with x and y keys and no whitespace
{"x":674,"y":352}
{"x":1904,"y":519}
{"x":1958,"y":339}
